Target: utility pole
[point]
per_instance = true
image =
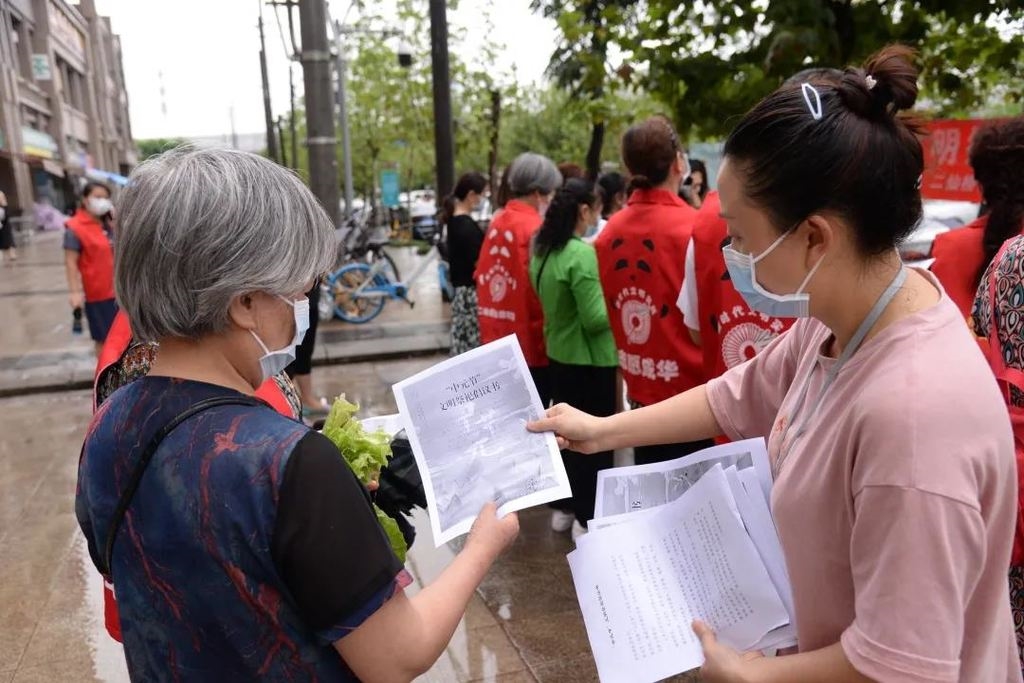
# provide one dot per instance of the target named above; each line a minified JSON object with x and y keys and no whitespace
{"x":444,"y":150}
{"x":268,"y":112}
{"x":163,"y":96}
{"x":234,"y":133}
{"x":316,"y":71}
{"x":340,"y":67}
{"x":492,"y":155}
{"x":280,"y":139}
{"x":293,"y":121}
{"x":291,"y":54}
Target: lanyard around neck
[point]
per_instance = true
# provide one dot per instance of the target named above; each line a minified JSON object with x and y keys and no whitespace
{"x":855,"y":343}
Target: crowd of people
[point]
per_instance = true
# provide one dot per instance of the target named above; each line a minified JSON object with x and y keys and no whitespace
{"x":687,"y":293}
{"x":776,"y":307}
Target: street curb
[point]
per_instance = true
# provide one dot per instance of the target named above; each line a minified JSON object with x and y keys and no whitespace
{"x":320,"y":361}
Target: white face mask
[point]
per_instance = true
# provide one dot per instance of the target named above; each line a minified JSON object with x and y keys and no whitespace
{"x":99,"y":206}
{"x":273,"y":362}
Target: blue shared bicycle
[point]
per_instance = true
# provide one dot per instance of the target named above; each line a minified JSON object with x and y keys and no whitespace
{"x":359,"y":289}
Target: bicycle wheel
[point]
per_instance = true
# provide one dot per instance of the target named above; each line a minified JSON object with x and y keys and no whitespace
{"x":349,"y":305}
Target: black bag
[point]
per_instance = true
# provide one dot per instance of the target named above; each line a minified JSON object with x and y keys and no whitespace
{"x":401,"y":487}
{"x":400,"y":481}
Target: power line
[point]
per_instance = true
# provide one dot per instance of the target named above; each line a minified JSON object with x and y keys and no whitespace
{"x":280,"y":32}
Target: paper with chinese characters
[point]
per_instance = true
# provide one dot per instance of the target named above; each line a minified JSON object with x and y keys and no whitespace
{"x":625,"y":490}
{"x":640,"y":585}
{"x":466,"y":422}
{"x":391,"y":424}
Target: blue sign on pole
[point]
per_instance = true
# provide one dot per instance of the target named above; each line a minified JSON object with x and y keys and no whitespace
{"x":389,"y":188}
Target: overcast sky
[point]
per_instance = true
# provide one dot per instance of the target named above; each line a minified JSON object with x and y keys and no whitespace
{"x":208,"y":54}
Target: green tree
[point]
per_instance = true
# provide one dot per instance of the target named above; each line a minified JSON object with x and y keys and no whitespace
{"x":153,"y":146}
{"x":480,"y":103}
{"x":580,"y":60}
{"x":554,"y":123}
{"x":391,"y":106}
{"x":711,"y":61}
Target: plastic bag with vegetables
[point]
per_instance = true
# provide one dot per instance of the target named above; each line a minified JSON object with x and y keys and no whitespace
{"x":366,"y":453}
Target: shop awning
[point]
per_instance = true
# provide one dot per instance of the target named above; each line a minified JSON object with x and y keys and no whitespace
{"x":36,"y":143}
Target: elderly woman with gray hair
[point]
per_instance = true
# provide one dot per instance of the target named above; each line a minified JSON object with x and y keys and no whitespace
{"x":240,"y":544}
{"x":507,"y":303}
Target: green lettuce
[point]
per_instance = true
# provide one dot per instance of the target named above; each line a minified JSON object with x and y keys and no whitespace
{"x":366,"y":453}
{"x":393,"y":532}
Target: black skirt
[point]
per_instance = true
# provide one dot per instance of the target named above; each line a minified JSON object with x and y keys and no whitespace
{"x":6,"y":235}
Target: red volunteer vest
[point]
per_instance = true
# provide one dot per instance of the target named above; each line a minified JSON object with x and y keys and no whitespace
{"x":730,"y":332}
{"x":507,"y":303}
{"x":958,"y":256}
{"x":96,"y":260}
{"x":641,"y":255}
{"x":117,"y":342}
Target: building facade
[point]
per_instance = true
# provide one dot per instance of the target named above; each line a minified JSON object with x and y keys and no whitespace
{"x":63,"y":103}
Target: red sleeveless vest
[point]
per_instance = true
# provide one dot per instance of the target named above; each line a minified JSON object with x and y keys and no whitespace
{"x":730,"y":332}
{"x":507,"y":303}
{"x":958,"y":255}
{"x":641,"y":255}
{"x":96,"y":260}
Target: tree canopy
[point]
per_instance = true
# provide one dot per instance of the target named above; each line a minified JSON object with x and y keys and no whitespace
{"x":710,"y":60}
{"x":153,"y":146}
{"x":616,"y":61}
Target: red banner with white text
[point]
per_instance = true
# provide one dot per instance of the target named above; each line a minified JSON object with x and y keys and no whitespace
{"x":947,"y":172}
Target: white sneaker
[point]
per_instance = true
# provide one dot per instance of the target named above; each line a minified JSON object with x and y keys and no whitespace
{"x":578,"y":530}
{"x":561,"y":521}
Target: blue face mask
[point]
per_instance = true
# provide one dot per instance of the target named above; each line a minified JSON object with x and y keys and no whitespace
{"x":743,"y":273}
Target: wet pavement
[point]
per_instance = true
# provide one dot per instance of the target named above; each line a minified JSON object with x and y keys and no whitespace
{"x":523,"y":624}
{"x":38,"y":352}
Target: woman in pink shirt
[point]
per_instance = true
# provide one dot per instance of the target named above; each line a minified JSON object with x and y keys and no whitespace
{"x":895,"y":490}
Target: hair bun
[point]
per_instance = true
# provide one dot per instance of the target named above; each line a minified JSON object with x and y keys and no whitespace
{"x":886,"y":84}
{"x":638,"y":181}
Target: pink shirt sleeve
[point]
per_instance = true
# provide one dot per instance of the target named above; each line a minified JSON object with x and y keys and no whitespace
{"x":914,"y":560}
{"x":746,"y":399}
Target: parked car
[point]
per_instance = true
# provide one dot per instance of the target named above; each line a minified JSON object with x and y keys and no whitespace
{"x":939,"y":216}
{"x":423,"y":213}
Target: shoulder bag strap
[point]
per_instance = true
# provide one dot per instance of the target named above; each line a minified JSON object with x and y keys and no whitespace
{"x":147,"y":455}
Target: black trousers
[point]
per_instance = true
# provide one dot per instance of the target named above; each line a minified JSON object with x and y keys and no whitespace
{"x":592,"y":390}
{"x":542,"y":380}
{"x":645,"y":455}
{"x":303,"y":364}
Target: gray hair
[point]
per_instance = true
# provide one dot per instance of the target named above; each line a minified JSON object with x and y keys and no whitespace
{"x":197,"y":228}
{"x":531,"y":173}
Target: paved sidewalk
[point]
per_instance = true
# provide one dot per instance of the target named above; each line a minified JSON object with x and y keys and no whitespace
{"x":38,"y":353}
{"x":522,"y":626}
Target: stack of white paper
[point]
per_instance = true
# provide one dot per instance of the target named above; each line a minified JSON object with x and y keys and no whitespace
{"x":688,"y":539}
{"x":391,"y":424}
{"x":466,"y":422}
